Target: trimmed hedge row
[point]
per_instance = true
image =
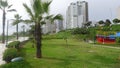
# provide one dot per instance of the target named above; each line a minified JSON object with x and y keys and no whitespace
{"x":14,"y":44}
{"x":9,"y":54}
{"x":12,"y":51}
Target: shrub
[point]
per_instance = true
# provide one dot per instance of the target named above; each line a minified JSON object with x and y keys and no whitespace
{"x":80,"y":31}
{"x":118,"y":40}
{"x":20,"y":64}
{"x":14,"y":44}
{"x":9,"y":54}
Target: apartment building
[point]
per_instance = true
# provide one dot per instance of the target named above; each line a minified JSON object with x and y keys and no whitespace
{"x":77,"y":14}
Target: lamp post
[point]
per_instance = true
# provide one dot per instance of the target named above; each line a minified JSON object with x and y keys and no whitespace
{"x":66,"y":35}
{"x":7,"y":33}
{"x":94,"y":33}
{"x":23,"y":30}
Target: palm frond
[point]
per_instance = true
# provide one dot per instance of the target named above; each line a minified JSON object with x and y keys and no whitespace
{"x":29,"y":11}
{"x":45,"y":6}
{"x":48,"y":17}
{"x":0,"y":4}
{"x":17,"y":19}
{"x":0,"y":7}
{"x":11,"y":10}
{"x":37,"y":7}
{"x":57,"y":17}
{"x":10,"y":6}
{"x":43,"y":22}
{"x":27,"y":21}
{"x":3,"y":3}
{"x":17,"y":16}
{"x":15,"y":22}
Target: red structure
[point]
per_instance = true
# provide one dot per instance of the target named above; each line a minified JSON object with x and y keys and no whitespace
{"x":105,"y":40}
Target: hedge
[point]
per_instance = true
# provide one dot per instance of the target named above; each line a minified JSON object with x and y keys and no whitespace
{"x":14,"y":44}
{"x":9,"y":54}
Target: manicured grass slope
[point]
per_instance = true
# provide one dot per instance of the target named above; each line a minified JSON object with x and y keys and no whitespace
{"x":76,"y":54}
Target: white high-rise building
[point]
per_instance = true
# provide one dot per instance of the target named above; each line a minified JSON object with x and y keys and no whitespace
{"x":77,"y":14}
{"x":52,"y":27}
{"x":59,"y":25}
{"x":118,"y":12}
{"x":49,"y":27}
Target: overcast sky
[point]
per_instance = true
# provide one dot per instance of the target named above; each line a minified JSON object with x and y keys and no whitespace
{"x":98,"y":9}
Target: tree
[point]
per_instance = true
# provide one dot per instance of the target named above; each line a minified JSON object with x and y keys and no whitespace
{"x":5,"y":8}
{"x":116,"y":20}
{"x":101,"y":22}
{"x":38,"y":15}
{"x":81,"y":31}
{"x":88,"y":24}
{"x":23,"y":26}
{"x":16,"y":21}
{"x":32,"y":34}
{"x":107,"y":22}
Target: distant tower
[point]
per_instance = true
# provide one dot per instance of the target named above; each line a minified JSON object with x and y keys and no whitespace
{"x":77,"y":14}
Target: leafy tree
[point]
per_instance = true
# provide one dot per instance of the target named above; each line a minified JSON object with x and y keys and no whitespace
{"x":88,"y":24}
{"x":80,"y":31}
{"x":16,"y":21}
{"x":38,"y":13}
{"x":5,"y":7}
{"x":101,"y":22}
{"x":116,"y":20}
{"x":76,"y":31}
{"x":107,"y":22}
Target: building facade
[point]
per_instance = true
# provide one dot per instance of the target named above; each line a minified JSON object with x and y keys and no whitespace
{"x":48,"y":27}
{"x":77,"y":14}
{"x":52,"y":27}
{"x":118,"y":13}
{"x":59,"y":25}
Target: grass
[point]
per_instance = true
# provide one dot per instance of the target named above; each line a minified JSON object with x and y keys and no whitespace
{"x":76,"y":54}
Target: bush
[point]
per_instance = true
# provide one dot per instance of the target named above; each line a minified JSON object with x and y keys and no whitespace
{"x":20,"y":64}
{"x":118,"y":40}
{"x":80,"y":31}
{"x":9,"y":54}
{"x":14,"y":44}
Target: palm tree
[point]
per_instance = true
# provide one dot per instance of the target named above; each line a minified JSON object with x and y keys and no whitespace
{"x":16,"y":21}
{"x":5,"y":8}
{"x":38,"y":15}
{"x":23,"y":32}
{"x":32,"y":34}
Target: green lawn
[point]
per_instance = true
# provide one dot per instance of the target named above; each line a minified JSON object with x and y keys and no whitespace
{"x":76,"y":54}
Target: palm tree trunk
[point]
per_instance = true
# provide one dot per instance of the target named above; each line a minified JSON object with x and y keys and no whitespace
{"x":38,"y":38}
{"x":17,"y":30}
{"x":3,"y":34}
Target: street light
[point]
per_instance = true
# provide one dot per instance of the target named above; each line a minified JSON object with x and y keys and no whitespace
{"x":23,"y":30}
{"x":94,"y":34}
{"x":7,"y":33}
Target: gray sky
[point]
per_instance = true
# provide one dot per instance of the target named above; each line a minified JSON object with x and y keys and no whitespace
{"x":98,"y":9}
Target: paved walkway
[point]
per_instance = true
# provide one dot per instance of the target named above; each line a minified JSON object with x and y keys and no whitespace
{"x":104,"y":45}
{"x":107,"y":46}
{"x":2,"y":48}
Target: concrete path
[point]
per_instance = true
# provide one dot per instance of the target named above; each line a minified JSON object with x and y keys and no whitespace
{"x":2,"y":48}
{"x":107,"y":46}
